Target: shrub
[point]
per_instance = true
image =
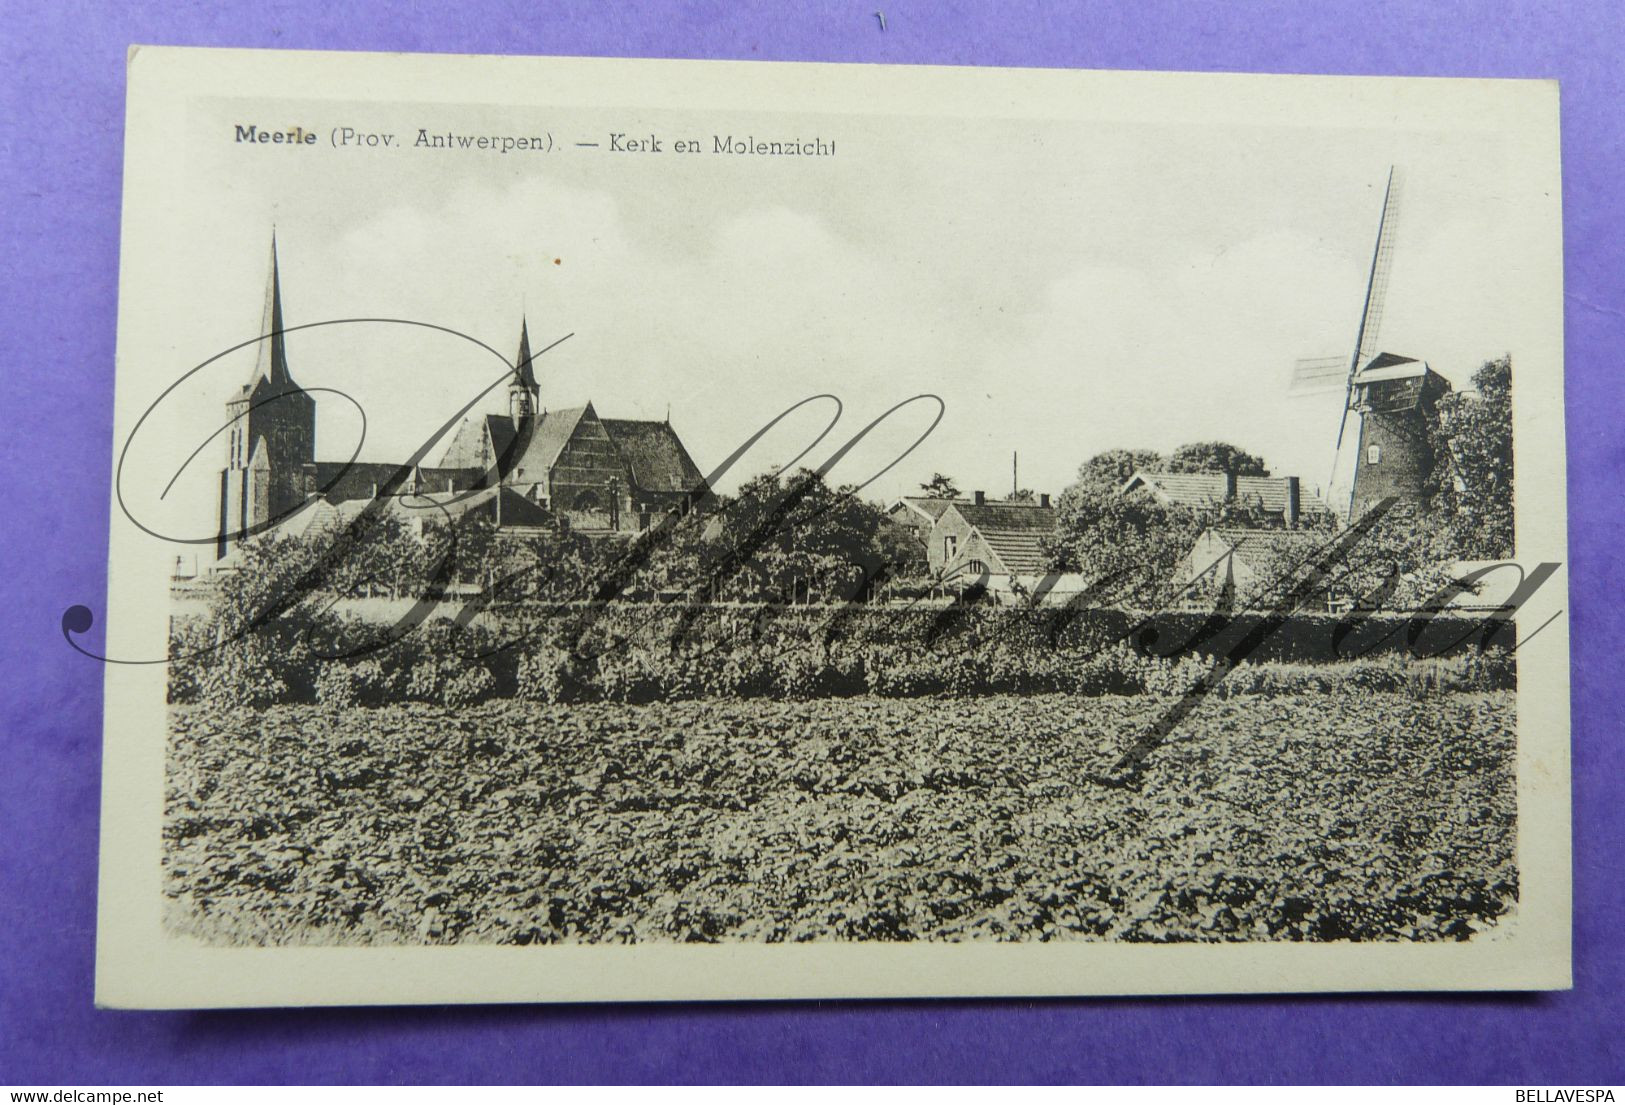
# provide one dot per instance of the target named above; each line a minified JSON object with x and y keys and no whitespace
{"x":546,"y":674}
{"x":378,"y":682}
{"x":335,"y":684}
{"x":241,"y":673}
{"x":423,"y":681}
{"x":469,"y":687}
{"x":802,"y":653}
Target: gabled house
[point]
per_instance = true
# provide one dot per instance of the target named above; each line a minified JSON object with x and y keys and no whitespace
{"x":919,"y":513}
{"x":1000,"y":539}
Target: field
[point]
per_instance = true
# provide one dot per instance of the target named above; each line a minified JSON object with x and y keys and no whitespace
{"x":1347,"y":814}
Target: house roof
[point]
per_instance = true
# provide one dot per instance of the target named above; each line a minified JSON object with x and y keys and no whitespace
{"x":656,"y":455}
{"x":551,"y":433}
{"x":1020,"y":553}
{"x":1263,"y":548}
{"x":326,"y":517}
{"x":930,"y":507}
{"x":1199,"y":489}
{"x":1014,"y":531}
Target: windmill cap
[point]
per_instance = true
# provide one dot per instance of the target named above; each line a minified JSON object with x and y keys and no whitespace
{"x":1391,"y":366}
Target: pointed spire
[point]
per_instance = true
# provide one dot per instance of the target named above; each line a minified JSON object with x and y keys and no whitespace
{"x":524,"y":375}
{"x":522,"y":389}
{"x":272,"y":362}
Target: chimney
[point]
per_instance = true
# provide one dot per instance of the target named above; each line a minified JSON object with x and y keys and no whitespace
{"x":1229,"y":487}
{"x":1043,"y":500}
{"x":981,"y":498}
{"x":1294,"y":502}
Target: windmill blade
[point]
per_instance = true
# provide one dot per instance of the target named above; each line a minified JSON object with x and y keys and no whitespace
{"x":1313,"y":375}
{"x":1382,"y":265}
{"x":1376,"y":290}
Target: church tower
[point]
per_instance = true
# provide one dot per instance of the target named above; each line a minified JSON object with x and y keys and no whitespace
{"x":523,"y":391}
{"x":271,"y":436}
{"x":1396,"y":398}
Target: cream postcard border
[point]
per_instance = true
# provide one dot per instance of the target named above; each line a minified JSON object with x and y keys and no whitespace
{"x":138,"y":965}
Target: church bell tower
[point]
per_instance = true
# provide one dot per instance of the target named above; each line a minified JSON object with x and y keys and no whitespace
{"x":271,"y":435}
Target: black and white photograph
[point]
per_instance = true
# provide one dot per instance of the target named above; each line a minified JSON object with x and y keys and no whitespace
{"x":684,"y":532}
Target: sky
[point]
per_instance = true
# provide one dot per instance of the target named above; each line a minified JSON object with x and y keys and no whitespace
{"x":1063,"y":287}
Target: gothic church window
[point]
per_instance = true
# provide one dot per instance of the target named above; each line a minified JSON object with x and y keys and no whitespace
{"x":1373,"y":455}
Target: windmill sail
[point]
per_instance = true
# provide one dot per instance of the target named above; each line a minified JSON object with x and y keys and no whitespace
{"x":1314,"y":375}
{"x":1340,"y":486}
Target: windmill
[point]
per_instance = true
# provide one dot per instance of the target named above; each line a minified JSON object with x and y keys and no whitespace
{"x":1324,"y":373}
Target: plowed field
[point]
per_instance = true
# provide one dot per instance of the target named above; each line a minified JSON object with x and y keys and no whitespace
{"x":1347,"y":815}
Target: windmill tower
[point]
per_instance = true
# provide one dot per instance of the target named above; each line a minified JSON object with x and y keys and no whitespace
{"x":1382,"y":444}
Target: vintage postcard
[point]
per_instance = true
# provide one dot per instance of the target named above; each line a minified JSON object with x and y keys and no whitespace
{"x":600,"y":530}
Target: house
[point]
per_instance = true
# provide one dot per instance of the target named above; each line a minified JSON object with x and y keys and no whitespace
{"x":1280,"y":497}
{"x":1000,"y":540}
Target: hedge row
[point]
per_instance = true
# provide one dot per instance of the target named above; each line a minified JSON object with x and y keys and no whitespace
{"x":630,"y":655}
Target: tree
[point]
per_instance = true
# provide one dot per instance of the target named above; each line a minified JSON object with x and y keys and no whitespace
{"x":1136,"y":541}
{"x":1473,"y":467}
{"x":1110,"y":470}
{"x":1215,"y":456}
{"x":1021,"y":495}
{"x":939,"y":487}
{"x":782,"y":533}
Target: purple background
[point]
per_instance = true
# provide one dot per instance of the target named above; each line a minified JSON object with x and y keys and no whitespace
{"x":61,"y":124}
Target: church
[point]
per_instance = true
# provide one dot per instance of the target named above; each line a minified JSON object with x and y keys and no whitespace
{"x":529,"y":468}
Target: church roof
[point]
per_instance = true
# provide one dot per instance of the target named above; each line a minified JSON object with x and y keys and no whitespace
{"x":553,"y":432}
{"x":655,"y":453}
{"x":658,"y":460}
{"x":324,"y":518}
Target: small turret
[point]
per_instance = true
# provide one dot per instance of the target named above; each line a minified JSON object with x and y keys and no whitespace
{"x":522,"y":389}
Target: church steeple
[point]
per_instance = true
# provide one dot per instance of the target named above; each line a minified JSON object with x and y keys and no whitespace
{"x":523,"y":389}
{"x":272,"y":441}
{"x":272,"y":362}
